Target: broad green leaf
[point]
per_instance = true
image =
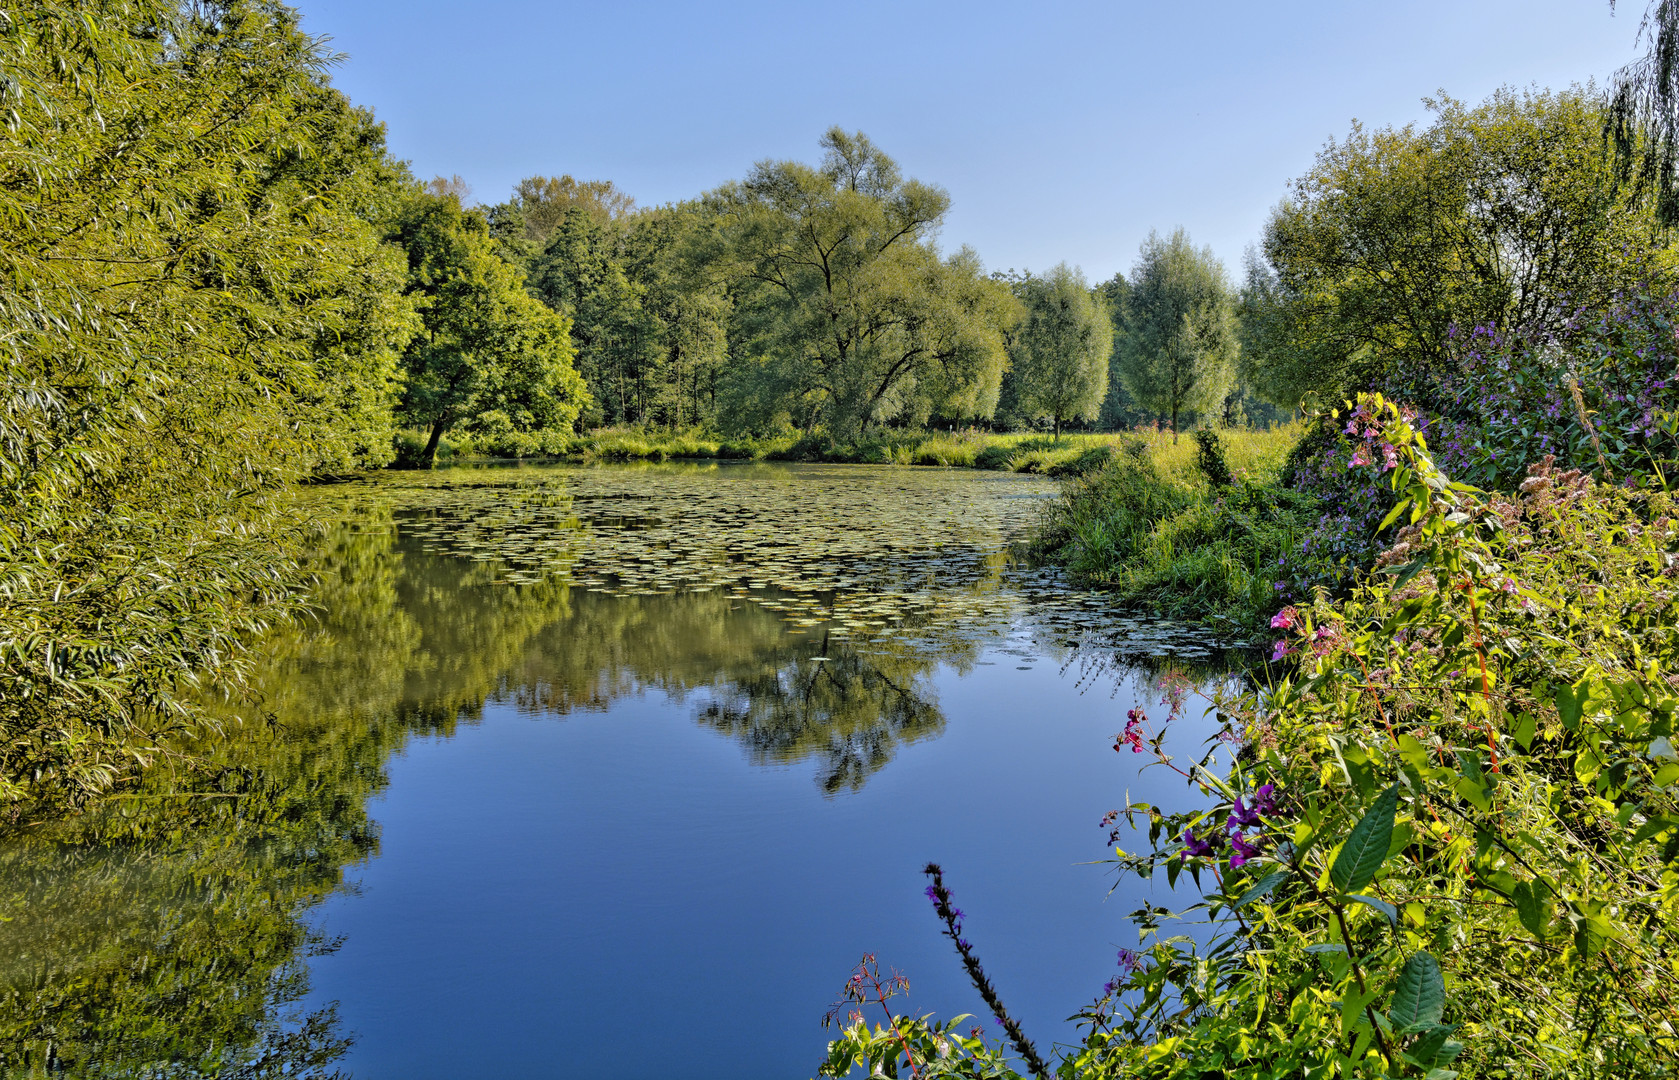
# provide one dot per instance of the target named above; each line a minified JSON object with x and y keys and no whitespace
{"x":1434,"y":1046}
{"x":1533,"y":906}
{"x":1382,"y":906}
{"x":1420,"y":996}
{"x":1367,"y":845}
{"x":1261,"y":887}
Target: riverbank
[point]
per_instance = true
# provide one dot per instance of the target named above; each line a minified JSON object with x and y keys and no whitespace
{"x":1023,"y":452}
{"x":1202,"y":529}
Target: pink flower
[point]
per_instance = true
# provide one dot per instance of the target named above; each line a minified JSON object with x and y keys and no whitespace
{"x":1358,"y":459}
{"x":1280,"y":650}
{"x":1284,"y":619}
{"x":1390,"y":459}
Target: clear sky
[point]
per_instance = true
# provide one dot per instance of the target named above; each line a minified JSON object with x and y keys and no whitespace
{"x":1063,"y":131}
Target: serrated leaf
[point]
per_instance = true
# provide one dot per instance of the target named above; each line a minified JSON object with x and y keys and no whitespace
{"x":1382,"y":906}
{"x":1367,"y":845}
{"x":1261,"y":887}
{"x":1420,"y":995}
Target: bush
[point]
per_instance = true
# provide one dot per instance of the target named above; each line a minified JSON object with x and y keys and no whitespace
{"x":1087,"y":462}
{"x":1209,"y":458}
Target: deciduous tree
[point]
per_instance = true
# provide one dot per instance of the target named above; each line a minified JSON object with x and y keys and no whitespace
{"x":846,"y":313}
{"x":489,"y":352}
{"x":1179,"y":347}
{"x":1062,"y":347}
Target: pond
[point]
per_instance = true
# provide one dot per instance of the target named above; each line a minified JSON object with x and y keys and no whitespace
{"x":612,"y":771}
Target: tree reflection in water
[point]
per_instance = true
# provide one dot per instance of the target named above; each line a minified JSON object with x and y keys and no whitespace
{"x":166,"y":931}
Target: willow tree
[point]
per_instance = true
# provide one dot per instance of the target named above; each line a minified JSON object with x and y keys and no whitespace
{"x":845,"y":313}
{"x":197,"y":310}
{"x":1178,"y":350}
{"x":1061,"y":347}
{"x":1643,"y":123}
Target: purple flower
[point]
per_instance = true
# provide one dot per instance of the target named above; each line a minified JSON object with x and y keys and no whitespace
{"x":1265,"y":800}
{"x":1129,"y":960}
{"x":1193,"y":846}
{"x":1280,"y":650}
{"x":1244,"y":850}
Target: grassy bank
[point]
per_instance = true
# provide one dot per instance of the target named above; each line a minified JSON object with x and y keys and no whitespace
{"x":1005,"y":452}
{"x":1192,"y":530}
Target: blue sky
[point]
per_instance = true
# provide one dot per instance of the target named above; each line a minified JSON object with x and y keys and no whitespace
{"x":1063,"y":131}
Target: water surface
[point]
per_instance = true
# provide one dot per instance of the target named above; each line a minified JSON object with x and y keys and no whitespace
{"x":610,"y":772}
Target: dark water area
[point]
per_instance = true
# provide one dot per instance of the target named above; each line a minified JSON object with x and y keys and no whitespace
{"x":590,"y":772}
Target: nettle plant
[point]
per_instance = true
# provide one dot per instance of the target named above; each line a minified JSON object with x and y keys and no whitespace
{"x":1449,"y":842}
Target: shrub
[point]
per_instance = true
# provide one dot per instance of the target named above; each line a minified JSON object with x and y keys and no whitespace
{"x":1209,"y":458}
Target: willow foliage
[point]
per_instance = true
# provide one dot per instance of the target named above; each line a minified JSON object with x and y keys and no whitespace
{"x":195,"y":310}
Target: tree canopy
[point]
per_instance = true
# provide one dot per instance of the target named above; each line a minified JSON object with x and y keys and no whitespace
{"x":198,"y":310}
{"x":1179,"y":348}
{"x":847,"y":314}
{"x":1062,"y":347}
{"x":489,"y":353}
{"x":1506,"y":213}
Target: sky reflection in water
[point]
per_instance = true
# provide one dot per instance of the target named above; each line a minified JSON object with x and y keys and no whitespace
{"x":619,"y":826}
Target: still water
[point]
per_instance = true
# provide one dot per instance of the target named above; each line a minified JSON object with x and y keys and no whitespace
{"x":611,"y":772}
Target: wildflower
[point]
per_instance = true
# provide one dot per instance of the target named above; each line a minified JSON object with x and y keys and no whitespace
{"x":1358,"y":459}
{"x":1284,"y":619}
{"x":1265,"y":799}
{"x":1194,"y":846}
{"x":1129,"y":960}
{"x":1244,"y":851}
{"x":1280,"y":649}
{"x":1390,"y":457}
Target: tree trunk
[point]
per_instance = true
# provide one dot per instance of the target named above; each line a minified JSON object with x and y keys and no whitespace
{"x":429,"y":457}
{"x":1174,"y":423}
{"x":1058,"y":429}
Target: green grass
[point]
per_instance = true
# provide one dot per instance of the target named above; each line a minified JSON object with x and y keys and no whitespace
{"x":970,"y":449}
{"x":1149,"y":527}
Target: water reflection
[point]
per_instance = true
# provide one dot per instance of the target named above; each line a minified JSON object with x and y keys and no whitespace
{"x":168,"y":932}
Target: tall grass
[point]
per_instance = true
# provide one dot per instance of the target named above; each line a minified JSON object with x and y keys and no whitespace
{"x":1149,"y":526}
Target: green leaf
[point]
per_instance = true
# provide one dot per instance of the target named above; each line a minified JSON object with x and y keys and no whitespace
{"x":1393,"y":515}
{"x":1382,"y":906}
{"x":1571,"y":701}
{"x":1367,"y":845}
{"x":1327,"y":947}
{"x":1420,"y":996}
{"x":1432,"y":1047}
{"x":1260,"y":888}
{"x":1533,"y":906}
